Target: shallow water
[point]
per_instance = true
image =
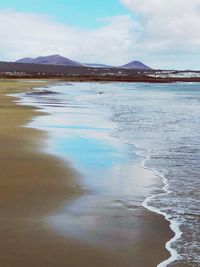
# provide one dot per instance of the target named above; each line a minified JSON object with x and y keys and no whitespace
{"x":111,"y":120}
{"x":110,"y":174}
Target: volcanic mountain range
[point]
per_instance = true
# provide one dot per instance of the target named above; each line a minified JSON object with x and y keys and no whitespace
{"x":59,"y":60}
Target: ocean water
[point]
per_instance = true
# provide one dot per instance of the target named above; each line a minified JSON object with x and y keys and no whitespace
{"x":158,"y":122}
{"x":163,"y":121}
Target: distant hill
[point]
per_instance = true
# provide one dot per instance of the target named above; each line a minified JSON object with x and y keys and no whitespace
{"x":59,"y":60}
{"x":25,"y":60}
{"x":131,"y":65}
{"x":50,"y":60}
{"x":135,"y":65}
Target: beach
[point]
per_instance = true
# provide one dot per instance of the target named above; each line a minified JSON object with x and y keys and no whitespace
{"x":99,"y":133}
{"x":35,"y":185}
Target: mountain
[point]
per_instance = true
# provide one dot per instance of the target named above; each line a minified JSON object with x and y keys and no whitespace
{"x":25,"y":60}
{"x":59,"y":60}
{"x":50,"y":60}
{"x":135,"y":65}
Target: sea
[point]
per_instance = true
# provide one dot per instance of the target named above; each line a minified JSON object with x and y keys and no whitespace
{"x":157,"y":124}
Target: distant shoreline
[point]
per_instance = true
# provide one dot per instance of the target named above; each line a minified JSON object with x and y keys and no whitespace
{"x":142,"y":79}
{"x":11,"y":70}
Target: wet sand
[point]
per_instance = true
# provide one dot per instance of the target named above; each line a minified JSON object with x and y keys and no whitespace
{"x":33,"y":185}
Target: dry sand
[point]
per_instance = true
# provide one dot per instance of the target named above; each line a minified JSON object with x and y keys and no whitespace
{"x":33,"y":184}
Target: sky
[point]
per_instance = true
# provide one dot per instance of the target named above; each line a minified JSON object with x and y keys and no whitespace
{"x":160,"y":33}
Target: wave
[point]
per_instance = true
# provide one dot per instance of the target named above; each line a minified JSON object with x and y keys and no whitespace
{"x":147,"y":203}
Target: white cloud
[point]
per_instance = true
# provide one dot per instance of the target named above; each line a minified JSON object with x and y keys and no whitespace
{"x":172,"y":19}
{"x":161,"y":33}
{"x":170,"y":27}
{"x":24,"y":34}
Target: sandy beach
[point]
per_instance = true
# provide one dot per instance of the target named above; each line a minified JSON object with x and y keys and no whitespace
{"x":34,"y":184}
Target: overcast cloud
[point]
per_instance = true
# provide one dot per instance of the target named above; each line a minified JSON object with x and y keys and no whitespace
{"x":165,"y":34}
{"x":25,"y":35}
{"x":170,"y":30}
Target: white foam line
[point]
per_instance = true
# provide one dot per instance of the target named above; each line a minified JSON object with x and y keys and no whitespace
{"x":174,"y":224}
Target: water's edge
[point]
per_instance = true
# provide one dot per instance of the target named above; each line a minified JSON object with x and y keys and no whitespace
{"x":174,"y":225}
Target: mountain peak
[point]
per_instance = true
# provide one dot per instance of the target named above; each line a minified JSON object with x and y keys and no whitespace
{"x":51,"y":60}
{"x":136,"y":65}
